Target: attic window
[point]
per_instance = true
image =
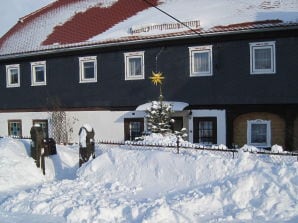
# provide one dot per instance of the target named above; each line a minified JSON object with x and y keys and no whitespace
{"x":38,"y":73}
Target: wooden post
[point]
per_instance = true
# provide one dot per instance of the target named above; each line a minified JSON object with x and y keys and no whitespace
{"x":178,"y":144}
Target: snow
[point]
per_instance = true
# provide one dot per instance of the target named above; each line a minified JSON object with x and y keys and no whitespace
{"x":175,"y":105}
{"x":209,"y":13}
{"x":17,"y":169}
{"x":20,"y":8}
{"x":277,"y":149}
{"x":152,"y":185}
{"x":22,"y":41}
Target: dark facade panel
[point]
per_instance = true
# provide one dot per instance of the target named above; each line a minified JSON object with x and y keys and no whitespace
{"x":231,"y":82}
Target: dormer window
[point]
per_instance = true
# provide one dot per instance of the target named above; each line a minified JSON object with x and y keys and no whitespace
{"x":13,"y":75}
{"x":134,"y":65}
{"x":88,"y":69}
{"x":38,"y":73}
{"x":262,"y":58}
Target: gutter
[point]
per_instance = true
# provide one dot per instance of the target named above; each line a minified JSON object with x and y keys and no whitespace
{"x":147,"y":39}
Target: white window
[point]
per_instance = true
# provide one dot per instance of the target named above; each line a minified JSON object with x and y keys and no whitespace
{"x":13,"y":75}
{"x":262,"y":58}
{"x":259,"y":133}
{"x":200,"y":58}
{"x":88,"y":69}
{"x":134,"y":65}
{"x":38,"y":73}
{"x":15,"y":128}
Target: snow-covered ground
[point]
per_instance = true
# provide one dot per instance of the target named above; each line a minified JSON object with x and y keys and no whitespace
{"x":125,"y":185}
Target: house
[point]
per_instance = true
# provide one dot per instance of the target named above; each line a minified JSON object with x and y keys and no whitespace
{"x":231,"y":75}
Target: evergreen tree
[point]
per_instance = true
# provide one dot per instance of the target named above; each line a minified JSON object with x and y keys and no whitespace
{"x":159,"y":117}
{"x":159,"y":114}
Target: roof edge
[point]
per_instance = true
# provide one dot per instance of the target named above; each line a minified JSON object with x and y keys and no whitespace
{"x":145,"y":39}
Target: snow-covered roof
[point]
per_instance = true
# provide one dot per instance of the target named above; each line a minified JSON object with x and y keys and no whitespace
{"x":72,"y":23}
{"x":176,"y":105}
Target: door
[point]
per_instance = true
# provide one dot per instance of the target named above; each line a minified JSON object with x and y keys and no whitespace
{"x":205,"y":130}
{"x":44,"y":125}
{"x":178,"y":124}
{"x":133,"y":128}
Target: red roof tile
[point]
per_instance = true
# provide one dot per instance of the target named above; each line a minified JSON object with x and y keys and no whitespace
{"x":96,"y":20}
{"x":29,"y":18}
{"x":72,"y":23}
{"x":82,"y":26}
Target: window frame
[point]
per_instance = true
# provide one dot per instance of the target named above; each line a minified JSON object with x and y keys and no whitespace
{"x":127,"y":129}
{"x":268,"y":131}
{"x":9,"y":122}
{"x":34,"y":65}
{"x":262,"y":45}
{"x":196,"y":121}
{"x":82,"y":61}
{"x":200,"y":49}
{"x":9,"y":74}
{"x":132,"y":55}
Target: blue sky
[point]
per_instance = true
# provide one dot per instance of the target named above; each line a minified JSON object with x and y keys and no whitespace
{"x":12,"y":10}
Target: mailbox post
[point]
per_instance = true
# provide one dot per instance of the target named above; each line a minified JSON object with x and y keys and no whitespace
{"x":41,"y":147}
{"x":86,"y":142}
{"x":37,"y":146}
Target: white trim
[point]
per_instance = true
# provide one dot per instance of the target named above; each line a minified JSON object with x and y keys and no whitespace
{"x":83,"y":60}
{"x":268,"y":131}
{"x":262,"y":45}
{"x":131,"y":55}
{"x":221,"y":123}
{"x":33,"y":73}
{"x":200,"y":49}
{"x":8,"y":75}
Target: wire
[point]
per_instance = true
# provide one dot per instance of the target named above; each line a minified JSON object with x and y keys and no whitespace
{"x":169,"y":15}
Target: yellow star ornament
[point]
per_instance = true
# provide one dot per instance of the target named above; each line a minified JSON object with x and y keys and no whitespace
{"x":157,"y":78}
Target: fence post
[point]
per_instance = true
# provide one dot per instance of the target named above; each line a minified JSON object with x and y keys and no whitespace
{"x":178,"y":144}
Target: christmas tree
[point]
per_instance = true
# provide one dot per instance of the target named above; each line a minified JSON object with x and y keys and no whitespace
{"x":159,"y":114}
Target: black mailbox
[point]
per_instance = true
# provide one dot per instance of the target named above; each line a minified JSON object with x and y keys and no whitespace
{"x":37,"y":144}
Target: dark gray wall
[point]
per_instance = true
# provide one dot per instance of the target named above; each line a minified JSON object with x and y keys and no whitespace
{"x":231,"y":82}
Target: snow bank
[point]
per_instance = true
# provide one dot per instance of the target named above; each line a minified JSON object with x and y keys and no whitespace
{"x":17,"y":168}
{"x":276,"y":149}
{"x":157,"y":138}
{"x":123,"y":185}
{"x":150,"y":173}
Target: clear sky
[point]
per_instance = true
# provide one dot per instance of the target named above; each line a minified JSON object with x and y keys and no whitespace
{"x":12,"y":10}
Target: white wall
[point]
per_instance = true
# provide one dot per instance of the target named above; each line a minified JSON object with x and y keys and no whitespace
{"x":108,"y":125}
{"x":26,"y":118}
{"x":221,"y":123}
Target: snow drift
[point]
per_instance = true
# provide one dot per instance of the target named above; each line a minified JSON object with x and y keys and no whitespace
{"x":123,"y":185}
{"x":17,"y":169}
